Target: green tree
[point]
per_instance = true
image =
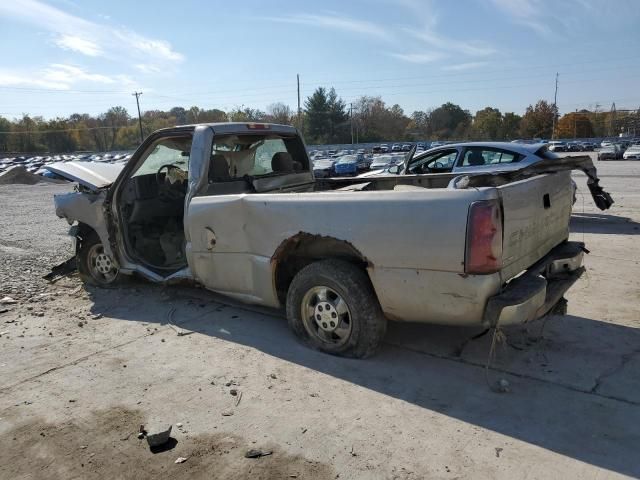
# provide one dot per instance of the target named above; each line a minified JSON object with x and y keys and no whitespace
{"x":246,"y":114}
{"x":510,"y":126}
{"x":58,"y":137}
{"x":449,"y":121}
{"x":537,"y":121}
{"x":5,"y":129}
{"x":316,"y":117}
{"x":487,"y":124}
{"x":338,"y":118}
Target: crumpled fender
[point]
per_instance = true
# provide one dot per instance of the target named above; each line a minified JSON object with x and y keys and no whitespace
{"x":87,"y":208}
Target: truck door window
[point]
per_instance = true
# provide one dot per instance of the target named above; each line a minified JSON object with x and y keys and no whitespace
{"x":167,"y":151}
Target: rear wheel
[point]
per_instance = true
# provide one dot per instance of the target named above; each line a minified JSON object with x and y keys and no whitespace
{"x":332,"y":307}
{"x":95,"y":266}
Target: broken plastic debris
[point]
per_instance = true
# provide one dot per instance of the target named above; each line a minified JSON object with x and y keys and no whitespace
{"x":257,"y":453}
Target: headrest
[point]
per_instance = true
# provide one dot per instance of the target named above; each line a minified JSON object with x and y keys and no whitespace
{"x":282,"y":162}
{"x":476,"y":158}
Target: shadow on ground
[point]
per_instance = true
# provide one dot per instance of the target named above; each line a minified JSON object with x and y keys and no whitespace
{"x":603,"y":223}
{"x":574,"y":386}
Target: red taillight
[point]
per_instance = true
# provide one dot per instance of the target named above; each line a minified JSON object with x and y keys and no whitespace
{"x":258,"y":126}
{"x":484,"y":238}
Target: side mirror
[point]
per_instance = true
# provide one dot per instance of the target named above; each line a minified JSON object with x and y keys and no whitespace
{"x":395,"y":169}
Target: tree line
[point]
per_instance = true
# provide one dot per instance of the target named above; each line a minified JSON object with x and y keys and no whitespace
{"x":325,"y":119}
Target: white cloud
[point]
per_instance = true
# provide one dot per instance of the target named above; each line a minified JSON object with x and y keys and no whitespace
{"x":531,"y":14}
{"x":147,"y":68}
{"x":78,"y":44}
{"x":418,"y":57}
{"x":334,"y":21}
{"x":87,"y":37}
{"x":475,"y":48}
{"x":25,"y":80}
{"x":463,"y":66}
{"x":58,"y":76}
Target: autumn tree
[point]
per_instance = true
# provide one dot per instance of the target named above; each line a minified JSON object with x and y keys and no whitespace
{"x":574,"y":125}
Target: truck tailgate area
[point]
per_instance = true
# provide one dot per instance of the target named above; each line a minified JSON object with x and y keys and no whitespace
{"x":536,"y":214}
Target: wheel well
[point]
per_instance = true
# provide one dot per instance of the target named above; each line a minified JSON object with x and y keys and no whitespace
{"x":84,"y":231}
{"x":298,"y":251}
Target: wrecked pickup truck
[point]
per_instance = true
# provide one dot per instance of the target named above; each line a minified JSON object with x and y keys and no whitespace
{"x":235,"y":208}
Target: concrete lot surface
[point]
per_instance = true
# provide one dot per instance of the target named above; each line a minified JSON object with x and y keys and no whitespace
{"x":82,"y":368}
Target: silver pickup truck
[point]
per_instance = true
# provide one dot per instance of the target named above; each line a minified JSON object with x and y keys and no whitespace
{"x":235,"y":208}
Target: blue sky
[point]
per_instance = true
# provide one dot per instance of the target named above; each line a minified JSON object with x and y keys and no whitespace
{"x":65,"y":56}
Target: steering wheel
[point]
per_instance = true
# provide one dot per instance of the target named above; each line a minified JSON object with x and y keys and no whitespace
{"x":166,"y":191}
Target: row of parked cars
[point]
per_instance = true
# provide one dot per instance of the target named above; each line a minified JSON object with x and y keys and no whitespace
{"x":608,"y":149}
{"x":38,"y":164}
{"x":348,"y":163}
{"x":617,"y":150}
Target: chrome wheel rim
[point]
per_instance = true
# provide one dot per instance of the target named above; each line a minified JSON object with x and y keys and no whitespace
{"x":326,"y":316}
{"x":101,"y":265}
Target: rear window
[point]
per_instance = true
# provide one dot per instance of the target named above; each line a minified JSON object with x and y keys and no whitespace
{"x":237,"y":156}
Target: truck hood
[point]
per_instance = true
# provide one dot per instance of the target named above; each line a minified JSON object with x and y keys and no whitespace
{"x":92,"y":175}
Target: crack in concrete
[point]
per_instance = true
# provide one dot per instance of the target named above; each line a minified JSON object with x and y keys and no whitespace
{"x":519,"y":375}
{"x":5,"y":389}
{"x":626,"y":358}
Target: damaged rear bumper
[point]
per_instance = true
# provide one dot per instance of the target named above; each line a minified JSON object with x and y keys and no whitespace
{"x":533,"y":294}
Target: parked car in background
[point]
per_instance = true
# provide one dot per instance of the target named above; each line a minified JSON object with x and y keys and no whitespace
{"x":574,"y":147}
{"x":588,"y":146}
{"x":323,"y":168}
{"x":396,"y":147}
{"x":382,"y":162}
{"x":556,"y":146}
{"x":406,"y":147}
{"x":480,"y":157}
{"x":611,"y":151}
{"x":632,"y":153}
{"x":362,"y":161}
{"x":346,"y":165}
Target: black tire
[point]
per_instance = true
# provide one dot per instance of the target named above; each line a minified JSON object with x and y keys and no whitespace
{"x":367,"y":323}
{"x":87,"y":269}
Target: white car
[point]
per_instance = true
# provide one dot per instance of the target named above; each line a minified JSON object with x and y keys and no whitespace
{"x":632,"y":153}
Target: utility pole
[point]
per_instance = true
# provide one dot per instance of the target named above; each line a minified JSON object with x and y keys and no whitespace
{"x":137,"y":95}
{"x":351,"y":118}
{"x":555,"y":109}
{"x":575,"y":125}
{"x":299,"y":111}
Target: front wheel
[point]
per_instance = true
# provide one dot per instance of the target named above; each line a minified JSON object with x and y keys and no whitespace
{"x":332,"y":307}
{"x":95,"y":266}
